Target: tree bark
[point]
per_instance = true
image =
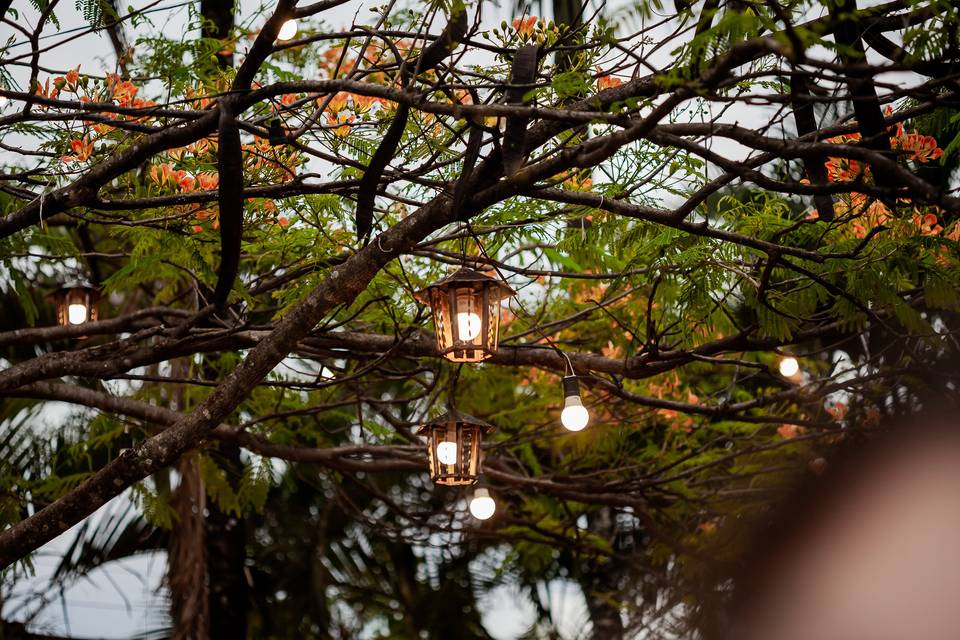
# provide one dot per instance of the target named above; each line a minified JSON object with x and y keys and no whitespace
{"x":228,"y":590}
{"x":187,"y":557}
{"x":601,"y":583}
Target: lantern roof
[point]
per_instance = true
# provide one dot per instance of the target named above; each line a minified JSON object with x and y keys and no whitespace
{"x":472,"y":278}
{"x":455,"y":415}
{"x":74,"y":286}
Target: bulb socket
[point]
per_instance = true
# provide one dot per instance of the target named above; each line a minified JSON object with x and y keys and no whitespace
{"x":276,"y":135}
{"x":571,"y":386}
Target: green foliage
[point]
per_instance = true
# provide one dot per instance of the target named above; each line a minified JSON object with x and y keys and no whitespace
{"x":156,"y":508}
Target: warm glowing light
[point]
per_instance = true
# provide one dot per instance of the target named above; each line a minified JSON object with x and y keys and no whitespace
{"x":574,"y":416}
{"x":468,"y":326}
{"x":77,"y":313}
{"x":447,"y":452}
{"x":287,"y":30}
{"x":466,"y":314}
{"x":789,"y":367}
{"x":482,"y":506}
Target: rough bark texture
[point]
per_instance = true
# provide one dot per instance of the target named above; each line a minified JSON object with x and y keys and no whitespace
{"x":228,"y":590}
{"x":187,"y":558}
{"x":601,"y":583}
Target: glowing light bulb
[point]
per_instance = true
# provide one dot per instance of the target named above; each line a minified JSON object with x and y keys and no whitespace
{"x":482,"y":505}
{"x":574,"y":416}
{"x":77,"y":313}
{"x":468,"y":326}
{"x":447,"y":452}
{"x":287,"y":30}
{"x":789,"y":367}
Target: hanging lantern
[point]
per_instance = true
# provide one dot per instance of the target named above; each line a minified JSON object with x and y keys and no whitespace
{"x":76,"y":304}
{"x":453,"y":447}
{"x":466,"y":314}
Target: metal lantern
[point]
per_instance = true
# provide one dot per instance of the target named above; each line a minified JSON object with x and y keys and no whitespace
{"x":466,"y":314}
{"x":453,"y":447}
{"x":76,"y":304}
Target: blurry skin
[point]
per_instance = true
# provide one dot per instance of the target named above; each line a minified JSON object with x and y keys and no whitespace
{"x":880,"y":561}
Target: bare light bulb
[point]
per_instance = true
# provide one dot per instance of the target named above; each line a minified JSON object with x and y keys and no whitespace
{"x":574,"y":416}
{"x":287,"y":30}
{"x":468,"y":326}
{"x":482,"y":506}
{"x":789,"y":367}
{"x":447,"y":452}
{"x":77,"y":313}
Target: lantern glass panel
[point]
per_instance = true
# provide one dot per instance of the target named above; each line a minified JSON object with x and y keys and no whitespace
{"x":76,"y":305}
{"x":466,"y":314}
{"x":469,"y":325}
{"x":453,"y":449}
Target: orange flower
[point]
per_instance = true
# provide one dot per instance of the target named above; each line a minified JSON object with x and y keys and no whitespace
{"x":73,"y":76}
{"x":198,"y":96}
{"x":140,"y":104}
{"x":611,"y":350}
{"x":45,"y":90}
{"x":838,"y":410}
{"x":920,"y":147}
{"x":82,"y":150}
{"x":608,"y":82}
{"x":927,"y":224}
{"x":525,"y":26}
{"x":344,"y":121}
{"x":163,"y":174}
{"x":954,"y":233}
{"x":124,"y":92}
{"x":208,"y":180}
{"x":283,"y":222}
{"x":845,"y":170}
{"x":337,"y":102}
{"x":186,"y":181}
{"x":789,"y":431}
